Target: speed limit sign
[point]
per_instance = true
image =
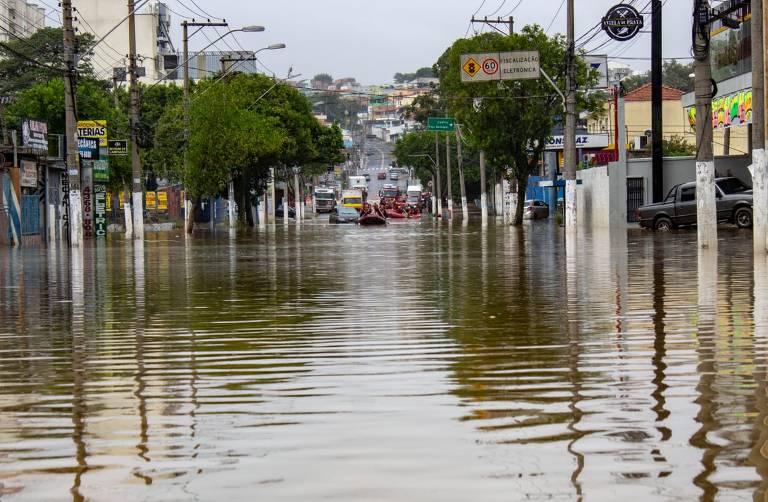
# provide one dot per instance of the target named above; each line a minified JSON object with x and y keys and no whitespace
{"x":490,"y":66}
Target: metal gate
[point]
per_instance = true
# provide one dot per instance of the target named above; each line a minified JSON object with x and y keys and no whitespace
{"x":635,"y":197}
{"x":30,"y":214}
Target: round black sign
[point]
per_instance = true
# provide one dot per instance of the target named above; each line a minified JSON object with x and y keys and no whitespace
{"x":622,"y":22}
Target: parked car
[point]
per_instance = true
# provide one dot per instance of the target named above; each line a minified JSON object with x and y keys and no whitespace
{"x":733,"y":203}
{"x":393,"y":175}
{"x":382,"y":175}
{"x":367,"y":177}
{"x":344,"y":214}
{"x":279,"y":212}
{"x":535,"y":209}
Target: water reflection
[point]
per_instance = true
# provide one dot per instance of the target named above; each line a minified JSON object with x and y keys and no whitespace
{"x":413,"y":362}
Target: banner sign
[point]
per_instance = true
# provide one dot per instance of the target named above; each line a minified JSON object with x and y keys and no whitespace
{"x":93,"y":129}
{"x":28,"y":174}
{"x":622,"y":22}
{"x":729,"y":110}
{"x":100,"y":210}
{"x":34,"y":134}
{"x":86,"y":175}
{"x":162,"y":201}
{"x":88,"y":148}
{"x":582,"y":141}
{"x":491,"y":66}
{"x":118,"y":147}
{"x":100,"y":171}
{"x":150,"y":200}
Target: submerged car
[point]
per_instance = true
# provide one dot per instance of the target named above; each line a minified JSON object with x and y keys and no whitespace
{"x":535,"y":210}
{"x":343,"y":214}
{"x":382,"y":175}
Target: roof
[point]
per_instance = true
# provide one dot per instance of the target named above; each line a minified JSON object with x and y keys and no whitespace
{"x":643,"y":93}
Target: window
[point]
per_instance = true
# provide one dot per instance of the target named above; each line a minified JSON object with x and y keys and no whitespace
{"x":671,"y":195}
{"x":732,"y":185}
{"x":688,"y":194}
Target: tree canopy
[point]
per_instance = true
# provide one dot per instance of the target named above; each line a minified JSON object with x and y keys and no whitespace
{"x":425,"y":72}
{"x":674,"y":75}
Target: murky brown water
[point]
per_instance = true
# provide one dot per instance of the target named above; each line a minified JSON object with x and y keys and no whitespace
{"x":403,"y":363}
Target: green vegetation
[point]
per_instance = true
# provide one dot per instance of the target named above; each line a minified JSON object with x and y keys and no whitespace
{"x":402,"y":78}
{"x":677,"y":146}
{"x":674,"y":75}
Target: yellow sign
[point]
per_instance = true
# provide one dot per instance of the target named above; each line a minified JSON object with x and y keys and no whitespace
{"x":471,"y":67}
{"x":108,"y":200}
{"x":121,"y":199}
{"x":151,"y":200}
{"x":93,"y":129}
{"x":162,"y":201}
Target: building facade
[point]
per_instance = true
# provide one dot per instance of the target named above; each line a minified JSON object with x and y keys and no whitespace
{"x":20,"y":19}
{"x":153,"y":36}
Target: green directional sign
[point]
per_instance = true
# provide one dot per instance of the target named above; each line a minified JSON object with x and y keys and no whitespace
{"x":441,"y":124}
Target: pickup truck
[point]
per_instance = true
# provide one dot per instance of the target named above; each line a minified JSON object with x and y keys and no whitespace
{"x":734,"y":205}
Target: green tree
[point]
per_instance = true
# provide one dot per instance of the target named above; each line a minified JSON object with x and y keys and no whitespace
{"x":425,"y":72}
{"x":677,"y":146}
{"x":25,"y":62}
{"x":674,"y":75}
{"x":325,"y":78}
{"x":514,"y":118}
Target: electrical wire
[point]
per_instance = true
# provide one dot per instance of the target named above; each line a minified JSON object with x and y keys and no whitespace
{"x":554,"y":18}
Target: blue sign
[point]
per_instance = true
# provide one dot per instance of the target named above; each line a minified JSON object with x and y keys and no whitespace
{"x":88,"y":148}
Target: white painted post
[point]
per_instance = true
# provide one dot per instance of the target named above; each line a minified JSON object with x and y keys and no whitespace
{"x":263,"y":212}
{"x":127,"y":213}
{"x":232,"y":212}
{"x":483,"y":194}
{"x":760,"y":200}
{"x":137,"y":205}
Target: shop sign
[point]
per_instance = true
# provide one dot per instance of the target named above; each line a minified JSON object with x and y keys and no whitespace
{"x":93,"y":129}
{"x":28,"y":174}
{"x":34,"y":134}
{"x":100,"y":210}
{"x":622,"y":22}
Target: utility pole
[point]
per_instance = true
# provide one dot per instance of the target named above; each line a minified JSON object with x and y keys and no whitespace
{"x":570,"y":126}
{"x":185,"y":50}
{"x":483,"y":191}
{"x":137,"y":200}
{"x":759,"y":161}
{"x":657,"y":124}
{"x":706,"y":215}
{"x":437,"y":172}
{"x":510,"y":22}
{"x":448,"y":174}
{"x":459,"y":160}
{"x":73,"y":158}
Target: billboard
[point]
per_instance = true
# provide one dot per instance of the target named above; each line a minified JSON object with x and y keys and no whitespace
{"x":93,"y":129}
{"x":34,"y":134}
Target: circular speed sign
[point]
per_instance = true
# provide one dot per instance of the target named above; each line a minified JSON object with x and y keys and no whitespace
{"x":622,"y":22}
{"x":490,"y":66}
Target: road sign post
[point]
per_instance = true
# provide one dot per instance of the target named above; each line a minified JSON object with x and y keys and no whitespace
{"x":494,"y":66}
{"x":441,"y":124}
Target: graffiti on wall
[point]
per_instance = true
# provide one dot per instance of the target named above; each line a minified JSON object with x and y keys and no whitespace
{"x":731,"y":110}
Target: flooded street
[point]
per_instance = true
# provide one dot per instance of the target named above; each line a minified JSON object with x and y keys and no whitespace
{"x":407,"y":362}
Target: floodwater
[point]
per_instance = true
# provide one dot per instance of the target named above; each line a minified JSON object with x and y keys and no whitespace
{"x":413,"y":362}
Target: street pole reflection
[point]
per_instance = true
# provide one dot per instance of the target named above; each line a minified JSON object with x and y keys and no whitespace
{"x":759,"y":454}
{"x":707,"y":370}
{"x":79,"y":363}
{"x":659,"y":341}
{"x":142,"y":447}
{"x":574,"y":348}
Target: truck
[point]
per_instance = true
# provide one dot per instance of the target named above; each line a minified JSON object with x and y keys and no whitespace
{"x":413,"y":194}
{"x":353,"y":198}
{"x":733,"y":203}
{"x":357,"y":182}
{"x":324,"y":199}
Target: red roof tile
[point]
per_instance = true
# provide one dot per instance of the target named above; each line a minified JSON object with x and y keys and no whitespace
{"x":643,"y":93}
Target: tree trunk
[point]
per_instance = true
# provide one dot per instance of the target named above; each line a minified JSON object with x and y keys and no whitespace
{"x":194,"y":210}
{"x":522,"y":186}
{"x":246,"y":203}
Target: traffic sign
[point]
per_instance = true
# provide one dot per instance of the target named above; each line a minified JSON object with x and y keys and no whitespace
{"x":598,"y":64}
{"x":515,"y":65}
{"x":441,"y":124}
{"x":480,"y":67}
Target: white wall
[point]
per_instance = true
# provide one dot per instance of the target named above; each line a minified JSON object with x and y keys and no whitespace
{"x":99,"y":17}
{"x":601,"y":198}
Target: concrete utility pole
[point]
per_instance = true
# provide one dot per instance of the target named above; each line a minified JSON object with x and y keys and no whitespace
{"x":448,"y":174}
{"x":73,"y":158}
{"x":273,"y":216}
{"x":759,"y":161}
{"x":657,"y":121}
{"x":706,"y":215}
{"x":185,"y":49}
{"x":459,"y":160}
{"x":296,"y":196}
{"x":483,"y":193}
{"x":437,"y":175}
{"x":570,"y":126}
{"x":137,"y":202}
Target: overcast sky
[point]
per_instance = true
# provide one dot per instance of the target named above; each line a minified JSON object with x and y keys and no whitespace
{"x":372,"y":40}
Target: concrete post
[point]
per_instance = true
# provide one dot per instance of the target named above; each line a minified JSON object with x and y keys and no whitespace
{"x":128,"y":212}
{"x":232,"y":211}
{"x":483,"y":194}
{"x":272,"y":200}
{"x":570,"y":125}
{"x":759,"y":160}
{"x":462,"y":186}
{"x":296,"y":197}
{"x":448,"y":175}
{"x":263,"y":212}
{"x":706,"y":214}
